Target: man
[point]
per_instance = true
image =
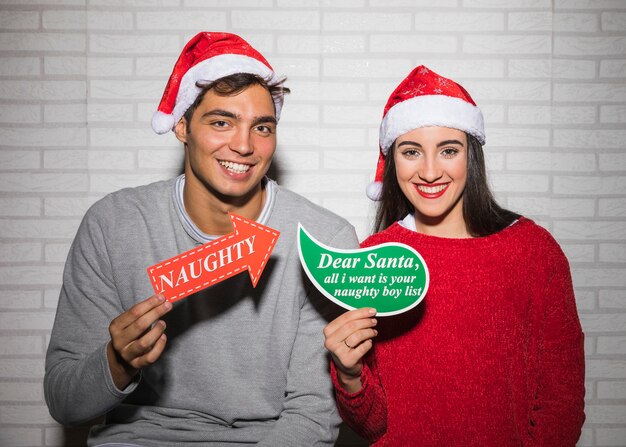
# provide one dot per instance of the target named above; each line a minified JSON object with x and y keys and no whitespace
{"x":232,"y":364}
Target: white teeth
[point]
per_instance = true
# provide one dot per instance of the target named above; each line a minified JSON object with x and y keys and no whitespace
{"x":237,"y":168}
{"x":432,"y":189}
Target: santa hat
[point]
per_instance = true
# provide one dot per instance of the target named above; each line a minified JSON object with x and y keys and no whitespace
{"x":208,"y":57}
{"x":424,"y":99}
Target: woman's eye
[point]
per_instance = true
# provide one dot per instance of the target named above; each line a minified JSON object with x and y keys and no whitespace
{"x":450,"y":152}
{"x":410,"y":153}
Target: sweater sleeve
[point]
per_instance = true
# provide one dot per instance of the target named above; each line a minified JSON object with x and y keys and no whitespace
{"x":557,"y":406}
{"x":309,"y":416}
{"x":365,"y":411}
{"x":77,"y":383}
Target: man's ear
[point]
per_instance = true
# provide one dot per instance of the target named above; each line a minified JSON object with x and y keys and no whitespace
{"x":181,"y":130}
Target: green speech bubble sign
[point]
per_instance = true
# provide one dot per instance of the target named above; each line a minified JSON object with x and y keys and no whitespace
{"x":390,"y":277}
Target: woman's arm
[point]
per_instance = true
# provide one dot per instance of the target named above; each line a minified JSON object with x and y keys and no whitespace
{"x":360,"y":397}
{"x":557,"y":406}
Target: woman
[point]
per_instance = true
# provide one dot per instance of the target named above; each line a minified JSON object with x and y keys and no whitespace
{"x":493,"y":356}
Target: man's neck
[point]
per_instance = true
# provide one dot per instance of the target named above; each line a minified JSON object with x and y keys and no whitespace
{"x":210,"y":212}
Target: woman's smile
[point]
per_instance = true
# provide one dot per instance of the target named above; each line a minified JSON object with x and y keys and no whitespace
{"x":432,"y":191}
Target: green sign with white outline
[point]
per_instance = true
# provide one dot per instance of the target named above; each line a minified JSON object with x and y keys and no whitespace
{"x":390,"y":277}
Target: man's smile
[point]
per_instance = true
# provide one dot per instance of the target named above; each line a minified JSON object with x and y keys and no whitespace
{"x":236,"y":168}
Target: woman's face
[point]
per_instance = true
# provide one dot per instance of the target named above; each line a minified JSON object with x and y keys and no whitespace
{"x":431,"y":169}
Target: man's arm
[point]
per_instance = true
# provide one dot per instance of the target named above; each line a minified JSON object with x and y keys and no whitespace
{"x":91,"y":361}
{"x":309,"y":415}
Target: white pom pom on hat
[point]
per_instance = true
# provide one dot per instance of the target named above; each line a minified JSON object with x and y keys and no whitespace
{"x":208,"y":57}
{"x":424,"y":99}
{"x":162,"y":122}
{"x":375,"y":189}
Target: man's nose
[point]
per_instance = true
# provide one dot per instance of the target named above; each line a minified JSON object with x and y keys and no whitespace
{"x":240,"y":142}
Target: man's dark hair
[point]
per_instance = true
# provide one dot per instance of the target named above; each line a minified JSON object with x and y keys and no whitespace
{"x":483,"y":216}
{"x":232,"y":85}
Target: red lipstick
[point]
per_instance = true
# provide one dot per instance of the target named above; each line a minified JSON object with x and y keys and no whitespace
{"x":431,"y":190}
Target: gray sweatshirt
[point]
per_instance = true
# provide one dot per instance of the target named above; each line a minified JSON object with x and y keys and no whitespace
{"x":242,"y":365}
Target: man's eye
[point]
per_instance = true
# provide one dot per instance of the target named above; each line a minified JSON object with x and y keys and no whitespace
{"x":264,"y":129}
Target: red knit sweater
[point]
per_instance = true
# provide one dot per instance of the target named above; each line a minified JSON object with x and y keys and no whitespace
{"x":493,"y":356}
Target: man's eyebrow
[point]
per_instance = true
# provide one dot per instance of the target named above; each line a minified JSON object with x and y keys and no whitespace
{"x":264,"y":120}
{"x":220,"y":112}
{"x":227,"y":114}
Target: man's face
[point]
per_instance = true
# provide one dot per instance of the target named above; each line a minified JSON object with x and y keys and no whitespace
{"x":229,"y":143}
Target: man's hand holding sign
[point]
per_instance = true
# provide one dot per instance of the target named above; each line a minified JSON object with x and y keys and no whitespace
{"x":384,"y":280}
{"x":138,"y":335}
{"x":137,"y":339}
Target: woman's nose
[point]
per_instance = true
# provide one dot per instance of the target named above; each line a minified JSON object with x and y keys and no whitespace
{"x":430,"y":170}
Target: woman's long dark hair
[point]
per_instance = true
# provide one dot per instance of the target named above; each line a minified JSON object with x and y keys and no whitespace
{"x":483,"y":216}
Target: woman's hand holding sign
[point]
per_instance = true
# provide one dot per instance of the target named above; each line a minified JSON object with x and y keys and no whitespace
{"x":348,"y":339}
{"x":137,"y":339}
{"x":391,"y":276}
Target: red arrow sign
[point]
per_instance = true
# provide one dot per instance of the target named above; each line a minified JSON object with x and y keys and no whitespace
{"x":247,"y":248}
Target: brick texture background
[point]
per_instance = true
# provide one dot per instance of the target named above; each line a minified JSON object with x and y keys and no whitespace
{"x":79,"y":80}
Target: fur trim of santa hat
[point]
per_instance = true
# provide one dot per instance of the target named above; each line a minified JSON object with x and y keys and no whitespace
{"x":424,"y":99}
{"x":208,"y":57}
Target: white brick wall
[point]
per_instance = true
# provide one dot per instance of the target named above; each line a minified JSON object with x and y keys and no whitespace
{"x":79,"y":80}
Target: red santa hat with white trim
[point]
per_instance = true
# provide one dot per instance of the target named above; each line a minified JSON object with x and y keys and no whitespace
{"x":424,"y":99}
{"x":208,"y":57}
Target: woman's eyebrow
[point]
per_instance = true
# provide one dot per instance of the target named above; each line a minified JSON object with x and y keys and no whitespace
{"x":442,"y":143}
{"x":445,"y":143}
{"x":409,"y":143}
